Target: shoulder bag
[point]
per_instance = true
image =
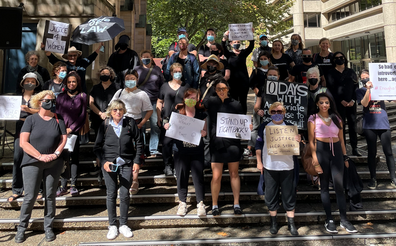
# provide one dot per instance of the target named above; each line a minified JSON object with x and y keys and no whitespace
{"x":306,"y":158}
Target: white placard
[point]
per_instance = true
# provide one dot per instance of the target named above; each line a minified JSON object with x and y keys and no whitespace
{"x":383,"y":76}
{"x":233,"y":126}
{"x":185,"y":128}
{"x":56,"y":36}
{"x":71,"y":142}
{"x":10,"y":107}
{"x":242,"y":31}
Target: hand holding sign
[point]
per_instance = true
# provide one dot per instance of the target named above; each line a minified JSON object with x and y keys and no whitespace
{"x":243,"y":31}
{"x":384,"y":77}
{"x":233,"y":126}
{"x":56,"y":36}
{"x":185,"y":128}
{"x":282,"y":140}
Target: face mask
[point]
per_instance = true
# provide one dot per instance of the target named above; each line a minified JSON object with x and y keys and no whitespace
{"x":182,"y":36}
{"x":313,"y":81}
{"x":264,"y":43}
{"x":264,"y":62}
{"x":307,"y":59}
{"x":177,"y":75}
{"x":62,"y":74}
{"x":210,"y":38}
{"x":123,"y":46}
{"x":146,"y":61}
{"x":364,"y":81}
{"x":47,"y":105}
{"x":340,"y":61}
{"x":272,"y":77}
{"x":29,"y":87}
{"x":130,"y":83}
{"x":236,"y":46}
{"x":190,"y":102}
{"x":216,"y":53}
{"x":211,"y":69}
{"x":71,"y":91}
{"x":104,"y":77}
{"x":295,"y":42}
{"x":277,"y":117}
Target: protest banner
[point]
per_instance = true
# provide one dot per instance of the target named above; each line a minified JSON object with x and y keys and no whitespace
{"x":56,"y":36}
{"x":383,"y":76}
{"x":241,"y":31}
{"x":185,"y":128}
{"x":233,"y":126}
{"x":10,"y":107}
{"x":294,"y":97}
{"x":281,"y":140}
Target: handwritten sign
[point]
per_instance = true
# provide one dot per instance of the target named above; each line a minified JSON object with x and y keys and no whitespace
{"x":281,"y":140}
{"x":294,"y":97}
{"x":383,"y":76}
{"x":185,"y":128}
{"x":10,"y":107}
{"x":233,"y":126}
{"x":94,"y":25}
{"x":241,"y":31}
{"x":56,"y":36}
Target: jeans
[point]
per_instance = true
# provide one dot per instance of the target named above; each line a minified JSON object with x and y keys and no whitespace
{"x":154,"y":132}
{"x":17,"y":180}
{"x":124,"y":174}
{"x":33,"y":174}
{"x":74,"y":161}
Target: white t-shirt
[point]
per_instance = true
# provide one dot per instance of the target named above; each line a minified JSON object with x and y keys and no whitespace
{"x":276,"y":162}
{"x":136,"y":102}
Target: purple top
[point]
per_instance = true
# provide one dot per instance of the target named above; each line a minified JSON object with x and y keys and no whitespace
{"x":72,"y":109}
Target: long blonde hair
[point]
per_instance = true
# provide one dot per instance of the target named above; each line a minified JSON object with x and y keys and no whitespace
{"x":35,"y":100}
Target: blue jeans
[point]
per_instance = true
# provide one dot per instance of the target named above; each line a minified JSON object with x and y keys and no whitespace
{"x":155,"y":131}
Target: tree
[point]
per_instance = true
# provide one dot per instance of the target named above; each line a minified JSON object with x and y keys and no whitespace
{"x":197,"y":16}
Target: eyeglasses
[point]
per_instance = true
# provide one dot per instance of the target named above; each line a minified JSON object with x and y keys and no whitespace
{"x":118,"y":109}
{"x":48,"y":100}
{"x":276,"y":112}
{"x":221,"y":89}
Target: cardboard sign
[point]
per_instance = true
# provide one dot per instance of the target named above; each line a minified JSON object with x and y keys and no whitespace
{"x":383,"y":76}
{"x":241,"y":31}
{"x":294,"y":97}
{"x":281,"y":140}
{"x":233,"y":126}
{"x":56,"y":36}
{"x":10,"y":107}
{"x":185,"y":128}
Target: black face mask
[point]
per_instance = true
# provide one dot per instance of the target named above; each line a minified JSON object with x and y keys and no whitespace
{"x":307,"y":59}
{"x":340,"y":61}
{"x":71,"y":91}
{"x":216,"y":53}
{"x":364,"y":81}
{"x":211,"y":69}
{"x":313,"y":81}
{"x":104,"y":77}
{"x":47,"y":105}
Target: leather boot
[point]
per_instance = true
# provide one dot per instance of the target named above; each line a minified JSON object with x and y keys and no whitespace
{"x":274,"y":225}
{"x":291,"y":226}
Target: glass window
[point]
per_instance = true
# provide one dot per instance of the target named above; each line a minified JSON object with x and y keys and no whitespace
{"x":353,"y":8}
{"x":312,"y":20}
{"x":381,"y":44}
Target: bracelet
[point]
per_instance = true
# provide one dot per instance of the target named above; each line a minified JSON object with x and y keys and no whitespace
{"x":316,"y":165}
{"x":38,"y":158}
{"x":346,"y":158}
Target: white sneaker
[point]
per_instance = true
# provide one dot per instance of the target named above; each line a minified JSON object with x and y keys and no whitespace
{"x":113,"y":232}
{"x":126,"y":231}
{"x":182,"y":209}
{"x":201,"y":211}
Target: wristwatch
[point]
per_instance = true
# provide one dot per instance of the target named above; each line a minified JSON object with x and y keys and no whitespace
{"x":57,"y":153}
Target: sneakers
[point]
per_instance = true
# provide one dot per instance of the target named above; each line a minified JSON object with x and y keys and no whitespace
{"x":61,"y":191}
{"x":201,"y":211}
{"x":74,"y":191}
{"x":247,"y":152}
{"x":238,"y":211}
{"x":372,"y":184}
{"x":168,"y":170}
{"x":330,"y":226}
{"x":20,"y":236}
{"x":113,"y":232}
{"x":126,"y":231}
{"x":182,"y":210}
{"x":393,"y":183}
{"x":215,"y":212}
{"x":348,"y":226}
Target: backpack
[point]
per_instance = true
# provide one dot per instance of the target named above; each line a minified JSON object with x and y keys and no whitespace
{"x":165,"y":61}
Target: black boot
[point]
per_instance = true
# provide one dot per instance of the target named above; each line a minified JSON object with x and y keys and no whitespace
{"x":291,"y":226}
{"x":274,"y":225}
{"x":355,"y":152}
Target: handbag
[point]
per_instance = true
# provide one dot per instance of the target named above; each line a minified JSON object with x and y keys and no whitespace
{"x":306,"y":158}
{"x":359,"y":125}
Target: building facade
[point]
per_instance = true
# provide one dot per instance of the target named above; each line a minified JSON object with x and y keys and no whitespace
{"x":363,"y":30}
{"x":75,"y":12}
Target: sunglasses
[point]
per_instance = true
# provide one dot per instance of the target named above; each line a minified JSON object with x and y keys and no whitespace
{"x":118,"y":109}
{"x":221,"y":89}
{"x":276,"y":112}
{"x":48,"y":100}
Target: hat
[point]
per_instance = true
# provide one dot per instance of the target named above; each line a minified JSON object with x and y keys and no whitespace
{"x":124,"y":39}
{"x":28,"y":76}
{"x":181,"y":29}
{"x":213,"y":58}
{"x":262,"y":35}
{"x":74,"y":50}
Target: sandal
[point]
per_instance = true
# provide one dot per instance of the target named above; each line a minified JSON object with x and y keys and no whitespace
{"x":13,"y":197}
{"x":134,"y":188}
{"x":39,"y":196}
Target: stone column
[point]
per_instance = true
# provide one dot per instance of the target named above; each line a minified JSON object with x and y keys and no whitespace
{"x":298,"y":18}
{"x":389,"y":10}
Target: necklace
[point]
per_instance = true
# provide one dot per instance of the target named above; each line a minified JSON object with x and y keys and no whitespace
{"x":327,"y":119}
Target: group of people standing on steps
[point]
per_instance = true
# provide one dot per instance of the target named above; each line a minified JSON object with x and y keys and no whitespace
{"x":134,"y":90}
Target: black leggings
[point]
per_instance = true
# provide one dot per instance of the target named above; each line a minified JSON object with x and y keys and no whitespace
{"x":385,"y":138}
{"x":333,"y":166}
{"x":183,"y":164}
